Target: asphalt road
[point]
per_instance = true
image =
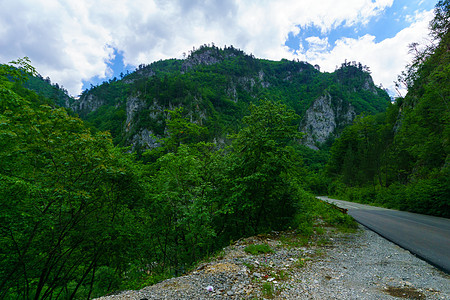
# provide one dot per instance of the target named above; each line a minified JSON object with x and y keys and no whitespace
{"x":427,"y":237}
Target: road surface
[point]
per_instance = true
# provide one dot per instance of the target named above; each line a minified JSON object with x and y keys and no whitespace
{"x":426,"y":236}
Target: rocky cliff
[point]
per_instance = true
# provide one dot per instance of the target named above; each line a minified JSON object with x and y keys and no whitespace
{"x":325,"y":119}
{"x":87,"y":103}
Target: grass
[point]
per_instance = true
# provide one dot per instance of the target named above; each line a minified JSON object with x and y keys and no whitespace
{"x":300,"y":263}
{"x":305,"y":229}
{"x":267,"y":289}
{"x":294,"y":241}
{"x":323,"y":242}
{"x":256,"y":249}
{"x":249,"y":266}
{"x":281,"y":275}
{"x":320,"y":230}
{"x":319,"y":253}
{"x":348,"y":229}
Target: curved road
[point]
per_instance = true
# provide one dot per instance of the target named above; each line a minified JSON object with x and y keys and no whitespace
{"x":426,"y":236}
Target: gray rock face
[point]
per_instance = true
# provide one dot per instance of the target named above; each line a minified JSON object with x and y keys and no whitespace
{"x":145,"y":139}
{"x":370,"y":86}
{"x":134,"y":104}
{"x":205,"y":58}
{"x":324,"y":119}
{"x":87,"y":104}
{"x":145,"y":72}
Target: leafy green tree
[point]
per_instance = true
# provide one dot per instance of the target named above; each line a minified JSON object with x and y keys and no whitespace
{"x":181,"y":210}
{"x":355,"y":155}
{"x":181,"y":131}
{"x":259,"y":193}
{"x":67,"y":199}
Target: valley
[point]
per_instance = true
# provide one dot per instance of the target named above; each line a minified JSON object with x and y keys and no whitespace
{"x":144,"y":176}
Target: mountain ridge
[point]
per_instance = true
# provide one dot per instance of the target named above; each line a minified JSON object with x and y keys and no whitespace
{"x":215,"y":86}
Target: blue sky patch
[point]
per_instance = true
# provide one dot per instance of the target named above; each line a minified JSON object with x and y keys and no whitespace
{"x":116,"y":65}
{"x":386,"y":25}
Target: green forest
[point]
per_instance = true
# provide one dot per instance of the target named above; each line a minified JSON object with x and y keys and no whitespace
{"x":88,"y":209}
{"x":400,"y":158}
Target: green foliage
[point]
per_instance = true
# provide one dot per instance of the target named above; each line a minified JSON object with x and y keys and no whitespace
{"x":203,"y":198}
{"x":440,"y":25}
{"x":359,"y":153}
{"x":69,"y":203}
{"x":108,"y":118}
{"x":81,"y":218}
{"x":256,"y":249}
{"x":45,"y":89}
{"x":257,"y":190}
{"x":181,"y":131}
{"x":268,"y":289}
{"x":400,"y":159}
{"x":300,"y":263}
{"x":21,"y":73}
{"x":180,"y":208}
{"x":311,"y":209}
{"x":305,"y":228}
{"x":25,"y":79}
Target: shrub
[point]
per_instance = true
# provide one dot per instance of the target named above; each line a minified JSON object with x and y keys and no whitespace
{"x":255,"y":249}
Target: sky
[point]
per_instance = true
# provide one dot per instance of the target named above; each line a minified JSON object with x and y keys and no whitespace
{"x":82,"y":42}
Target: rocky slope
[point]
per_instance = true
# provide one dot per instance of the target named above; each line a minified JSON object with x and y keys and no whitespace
{"x":325,"y":119}
{"x":215,"y":87}
{"x":333,"y":265}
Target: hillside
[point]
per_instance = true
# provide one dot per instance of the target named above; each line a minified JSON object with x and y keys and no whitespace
{"x":45,"y":91}
{"x":82,"y":218}
{"x":332,"y":265}
{"x":400,"y":158}
{"x":215,"y":86}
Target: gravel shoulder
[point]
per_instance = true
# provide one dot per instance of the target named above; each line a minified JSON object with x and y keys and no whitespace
{"x":334,"y":265}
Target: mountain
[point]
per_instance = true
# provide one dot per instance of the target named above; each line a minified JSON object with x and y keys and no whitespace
{"x":81,"y":218}
{"x":215,"y":87}
{"x":45,"y":92}
{"x":45,"y":88}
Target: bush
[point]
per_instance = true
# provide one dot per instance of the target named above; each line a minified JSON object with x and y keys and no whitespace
{"x":256,"y":249}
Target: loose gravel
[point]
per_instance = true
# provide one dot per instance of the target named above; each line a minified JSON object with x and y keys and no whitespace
{"x":333,"y":265}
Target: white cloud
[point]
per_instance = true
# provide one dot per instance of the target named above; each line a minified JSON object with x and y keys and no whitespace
{"x":386,"y":59}
{"x":59,"y":39}
{"x":73,"y":40}
{"x":317,"y":44}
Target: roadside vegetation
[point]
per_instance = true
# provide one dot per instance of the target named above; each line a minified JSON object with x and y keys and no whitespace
{"x":400,"y":158}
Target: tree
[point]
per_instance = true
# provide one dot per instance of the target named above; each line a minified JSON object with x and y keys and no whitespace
{"x":440,"y":25}
{"x":181,"y":206}
{"x":260,"y":195}
{"x":67,"y":199}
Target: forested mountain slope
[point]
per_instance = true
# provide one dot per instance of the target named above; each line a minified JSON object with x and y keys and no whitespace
{"x":401,"y":158}
{"x":45,"y":91}
{"x":215,"y":87}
